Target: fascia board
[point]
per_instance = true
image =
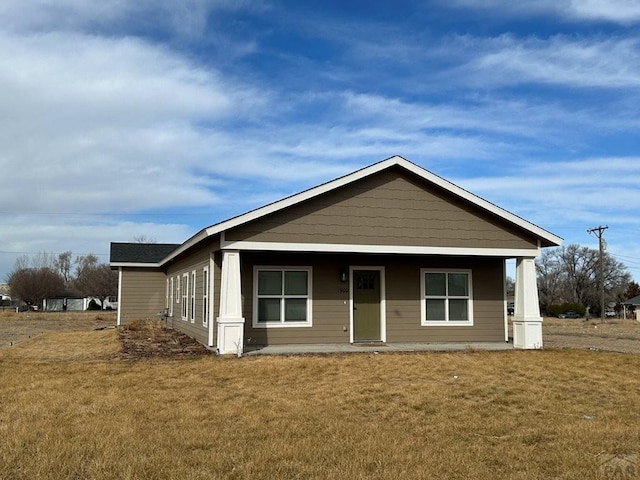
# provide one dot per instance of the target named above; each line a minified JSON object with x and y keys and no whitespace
{"x":134,"y":265}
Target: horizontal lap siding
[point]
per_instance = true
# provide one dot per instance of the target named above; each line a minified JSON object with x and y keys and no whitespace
{"x":142,"y":294}
{"x":403,"y":312}
{"x":330,"y":307}
{"x":390,"y":208}
{"x":196,"y":260}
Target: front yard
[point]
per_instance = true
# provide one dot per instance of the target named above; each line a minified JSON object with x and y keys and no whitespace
{"x":73,"y":406}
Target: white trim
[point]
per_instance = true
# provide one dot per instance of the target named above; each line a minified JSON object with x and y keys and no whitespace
{"x":178,"y":290}
{"x":119,"y":317}
{"x":506,"y":301}
{"x":230,"y":321}
{"x":383,"y":301}
{"x":171,"y":294}
{"x":166,"y":299}
{"x":184,"y":301}
{"x":211,"y":298}
{"x":385,"y":249}
{"x":353,"y":177}
{"x":309,"y":296}
{"x":527,"y":322}
{"x":205,"y":295}
{"x":193,"y":279}
{"x":423,"y":298}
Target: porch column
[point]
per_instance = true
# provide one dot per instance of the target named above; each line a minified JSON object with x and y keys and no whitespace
{"x":527,"y":322}
{"x":230,"y":321}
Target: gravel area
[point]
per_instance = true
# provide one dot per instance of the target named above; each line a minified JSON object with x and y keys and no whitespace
{"x":615,"y":335}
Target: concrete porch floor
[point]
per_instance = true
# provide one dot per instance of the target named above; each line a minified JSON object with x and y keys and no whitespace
{"x":300,"y":349}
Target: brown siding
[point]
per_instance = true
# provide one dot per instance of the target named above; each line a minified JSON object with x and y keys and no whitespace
{"x":389,"y":208}
{"x":404,"y":312}
{"x":402,"y":279}
{"x":142,"y":294}
{"x":187,"y":263}
{"x":330,"y":307}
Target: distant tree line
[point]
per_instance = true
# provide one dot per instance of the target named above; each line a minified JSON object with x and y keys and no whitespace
{"x":569,"y":275}
{"x":45,"y":275}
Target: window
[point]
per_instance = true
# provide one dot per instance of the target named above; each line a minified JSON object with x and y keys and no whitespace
{"x":185,"y":296}
{"x":192,"y":303}
{"x":446,"y":297}
{"x":205,"y":296}
{"x":171,"y":297}
{"x":282,"y":297}
{"x":166,"y":299}
{"x":177,"y":289}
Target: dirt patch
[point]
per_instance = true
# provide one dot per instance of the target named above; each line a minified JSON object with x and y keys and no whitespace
{"x":16,"y":327}
{"x":616,"y":335}
{"x":149,"y":338}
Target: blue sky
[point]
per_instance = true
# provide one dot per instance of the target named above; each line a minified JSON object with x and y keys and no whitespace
{"x":126,"y":118}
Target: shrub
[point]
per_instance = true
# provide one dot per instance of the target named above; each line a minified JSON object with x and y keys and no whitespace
{"x":558,"y":309}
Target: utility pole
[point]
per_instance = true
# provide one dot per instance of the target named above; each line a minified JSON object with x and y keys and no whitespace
{"x":598,"y":232}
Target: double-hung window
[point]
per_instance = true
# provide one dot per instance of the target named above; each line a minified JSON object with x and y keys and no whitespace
{"x":205,"y":296}
{"x":178,"y":289}
{"x":171,"y":297}
{"x":185,"y":296}
{"x":282,"y":297}
{"x":446,"y":297}
{"x":192,"y":303}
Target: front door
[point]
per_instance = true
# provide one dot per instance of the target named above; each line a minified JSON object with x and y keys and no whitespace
{"x":366,"y":305}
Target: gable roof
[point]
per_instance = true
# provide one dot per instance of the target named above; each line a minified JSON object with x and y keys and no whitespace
{"x":141,"y":254}
{"x":633,"y":301}
{"x":546,"y":238}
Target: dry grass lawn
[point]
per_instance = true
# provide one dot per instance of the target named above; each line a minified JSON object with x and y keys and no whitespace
{"x":71,"y":407}
{"x":17,"y":327}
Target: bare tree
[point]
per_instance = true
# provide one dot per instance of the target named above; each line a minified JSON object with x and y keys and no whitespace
{"x":144,"y":239}
{"x":570,"y":275}
{"x":97,"y":280}
{"x":32,"y":285}
{"x":63,"y":266}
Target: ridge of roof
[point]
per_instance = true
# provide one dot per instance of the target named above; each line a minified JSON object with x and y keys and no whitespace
{"x":349,"y":178}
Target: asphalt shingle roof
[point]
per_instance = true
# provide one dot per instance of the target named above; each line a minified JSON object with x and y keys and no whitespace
{"x":140,"y":252}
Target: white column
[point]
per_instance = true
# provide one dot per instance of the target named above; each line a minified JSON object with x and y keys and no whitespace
{"x":230,"y":321}
{"x":527,"y":322}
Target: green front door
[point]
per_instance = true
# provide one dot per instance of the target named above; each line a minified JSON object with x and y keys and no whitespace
{"x":366,"y":305}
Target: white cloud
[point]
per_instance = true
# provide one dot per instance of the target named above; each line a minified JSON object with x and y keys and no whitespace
{"x":80,"y":234}
{"x":182,"y":17}
{"x":613,"y":11}
{"x":119,"y":124}
{"x":560,"y":60}
{"x":565,"y":194}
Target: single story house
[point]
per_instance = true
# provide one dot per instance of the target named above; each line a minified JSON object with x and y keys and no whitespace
{"x":632,"y":306}
{"x":388,"y":253}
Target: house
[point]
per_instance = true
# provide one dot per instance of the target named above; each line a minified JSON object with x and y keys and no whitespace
{"x":632,"y":307}
{"x":388,"y":253}
{"x":76,"y":304}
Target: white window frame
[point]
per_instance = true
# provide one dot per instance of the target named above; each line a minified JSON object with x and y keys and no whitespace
{"x":185,"y":296}
{"x":423,"y":299}
{"x":177,"y":289}
{"x":166,"y":296}
{"x":205,"y":296}
{"x":192,"y":299}
{"x":282,"y":323}
{"x":171,"y":292}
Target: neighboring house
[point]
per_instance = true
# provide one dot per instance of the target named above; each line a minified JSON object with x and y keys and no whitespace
{"x":631,"y":306}
{"x":389,"y":253}
{"x":76,"y":304}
